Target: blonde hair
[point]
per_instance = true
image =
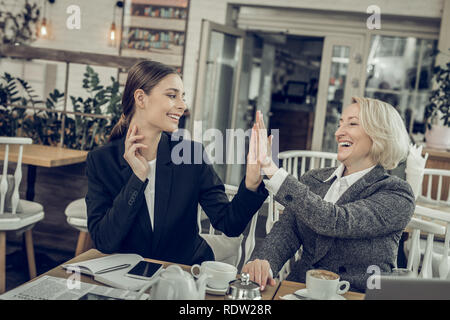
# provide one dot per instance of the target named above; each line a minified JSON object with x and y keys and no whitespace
{"x":385,"y":127}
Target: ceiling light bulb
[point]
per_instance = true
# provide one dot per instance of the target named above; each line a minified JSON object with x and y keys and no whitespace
{"x":112,"y":35}
{"x":43,"y":30}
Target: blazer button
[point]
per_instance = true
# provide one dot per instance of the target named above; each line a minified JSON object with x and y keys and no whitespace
{"x":288,"y":197}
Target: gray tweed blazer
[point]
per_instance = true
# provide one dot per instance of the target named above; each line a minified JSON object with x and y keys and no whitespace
{"x":362,"y":229}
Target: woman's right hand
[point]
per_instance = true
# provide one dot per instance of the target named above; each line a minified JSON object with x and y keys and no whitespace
{"x":259,"y":271}
{"x":133,"y":156}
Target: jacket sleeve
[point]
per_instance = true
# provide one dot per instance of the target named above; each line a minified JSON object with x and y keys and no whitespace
{"x":110,"y":218}
{"x":280,"y":244}
{"x":283,"y":240}
{"x":229,"y":217}
{"x":388,"y":209}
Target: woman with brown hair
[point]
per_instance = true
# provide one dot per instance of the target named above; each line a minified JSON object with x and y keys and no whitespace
{"x":139,"y":200}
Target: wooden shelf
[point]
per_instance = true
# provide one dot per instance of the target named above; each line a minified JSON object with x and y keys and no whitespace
{"x":172,"y":49}
{"x":93,"y":59}
{"x":156,"y":30}
{"x":163,"y":3}
{"x":169,"y":38}
{"x":169,"y":59}
{"x":158,"y":23}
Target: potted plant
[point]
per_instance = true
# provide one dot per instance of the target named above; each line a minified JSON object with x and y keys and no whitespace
{"x":44,"y":125}
{"x":85,"y":133}
{"x":19,"y":28}
{"x":437,"y":113}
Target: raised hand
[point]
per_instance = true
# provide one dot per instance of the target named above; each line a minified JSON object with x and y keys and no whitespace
{"x":264,"y":144}
{"x":133,"y":156}
{"x":264,"y":150}
{"x":253,"y":176}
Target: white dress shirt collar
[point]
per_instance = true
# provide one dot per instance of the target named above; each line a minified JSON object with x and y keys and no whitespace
{"x":351,"y":178}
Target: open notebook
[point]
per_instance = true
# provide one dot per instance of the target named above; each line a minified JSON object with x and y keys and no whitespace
{"x":110,"y":270}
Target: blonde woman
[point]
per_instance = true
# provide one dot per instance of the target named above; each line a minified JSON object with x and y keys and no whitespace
{"x":346,"y":218}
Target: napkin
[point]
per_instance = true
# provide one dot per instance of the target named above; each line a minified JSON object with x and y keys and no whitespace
{"x":415,"y":164}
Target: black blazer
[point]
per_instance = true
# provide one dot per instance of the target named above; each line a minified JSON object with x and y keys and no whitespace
{"x":118,"y":217}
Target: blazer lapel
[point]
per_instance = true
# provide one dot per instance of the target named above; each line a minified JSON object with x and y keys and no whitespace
{"x":125,"y":169}
{"x":352,"y":193}
{"x":143,"y":216}
{"x":322,"y":187}
{"x":324,"y":243}
{"x":163,"y":184}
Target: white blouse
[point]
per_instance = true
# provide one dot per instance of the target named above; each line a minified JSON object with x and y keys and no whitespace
{"x":149,"y":191}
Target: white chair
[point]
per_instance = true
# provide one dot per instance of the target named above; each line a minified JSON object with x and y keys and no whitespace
{"x":76,"y":213}
{"x":228,"y":249}
{"x":435,"y":253}
{"x":434,"y":201}
{"x":420,"y":258}
{"x":442,"y":196}
{"x":297,"y":162}
{"x":16,"y":214}
{"x":306,"y":160}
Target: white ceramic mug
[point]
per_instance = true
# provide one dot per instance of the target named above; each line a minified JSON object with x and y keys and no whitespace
{"x":220,"y":273}
{"x":323,"y":284}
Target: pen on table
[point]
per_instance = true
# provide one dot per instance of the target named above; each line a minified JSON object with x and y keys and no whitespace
{"x":122,"y":266}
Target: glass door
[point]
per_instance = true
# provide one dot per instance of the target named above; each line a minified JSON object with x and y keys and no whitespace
{"x":216,"y":97}
{"x":340,"y":80}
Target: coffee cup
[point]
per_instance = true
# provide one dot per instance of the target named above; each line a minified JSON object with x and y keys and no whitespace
{"x":220,"y":273}
{"x":323,"y":284}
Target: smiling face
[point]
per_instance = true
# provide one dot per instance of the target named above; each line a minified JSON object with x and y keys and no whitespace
{"x":354,"y":144}
{"x":162,"y":108}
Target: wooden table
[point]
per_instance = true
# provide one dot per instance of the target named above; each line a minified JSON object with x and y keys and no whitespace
{"x":60,"y":272}
{"x":270,"y":293}
{"x":437,"y":158}
{"x":43,"y":156}
{"x":288,"y":287}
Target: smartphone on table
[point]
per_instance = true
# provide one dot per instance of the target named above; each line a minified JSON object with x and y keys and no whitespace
{"x":145,"y":270}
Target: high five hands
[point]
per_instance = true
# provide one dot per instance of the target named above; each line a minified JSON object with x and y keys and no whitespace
{"x":259,"y":158}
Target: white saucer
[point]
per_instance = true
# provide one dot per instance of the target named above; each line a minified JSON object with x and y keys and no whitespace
{"x":304,"y":293}
{"x":216,"y":292}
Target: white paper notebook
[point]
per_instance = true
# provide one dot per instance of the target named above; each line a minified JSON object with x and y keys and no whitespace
{"x":110,"y":270}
